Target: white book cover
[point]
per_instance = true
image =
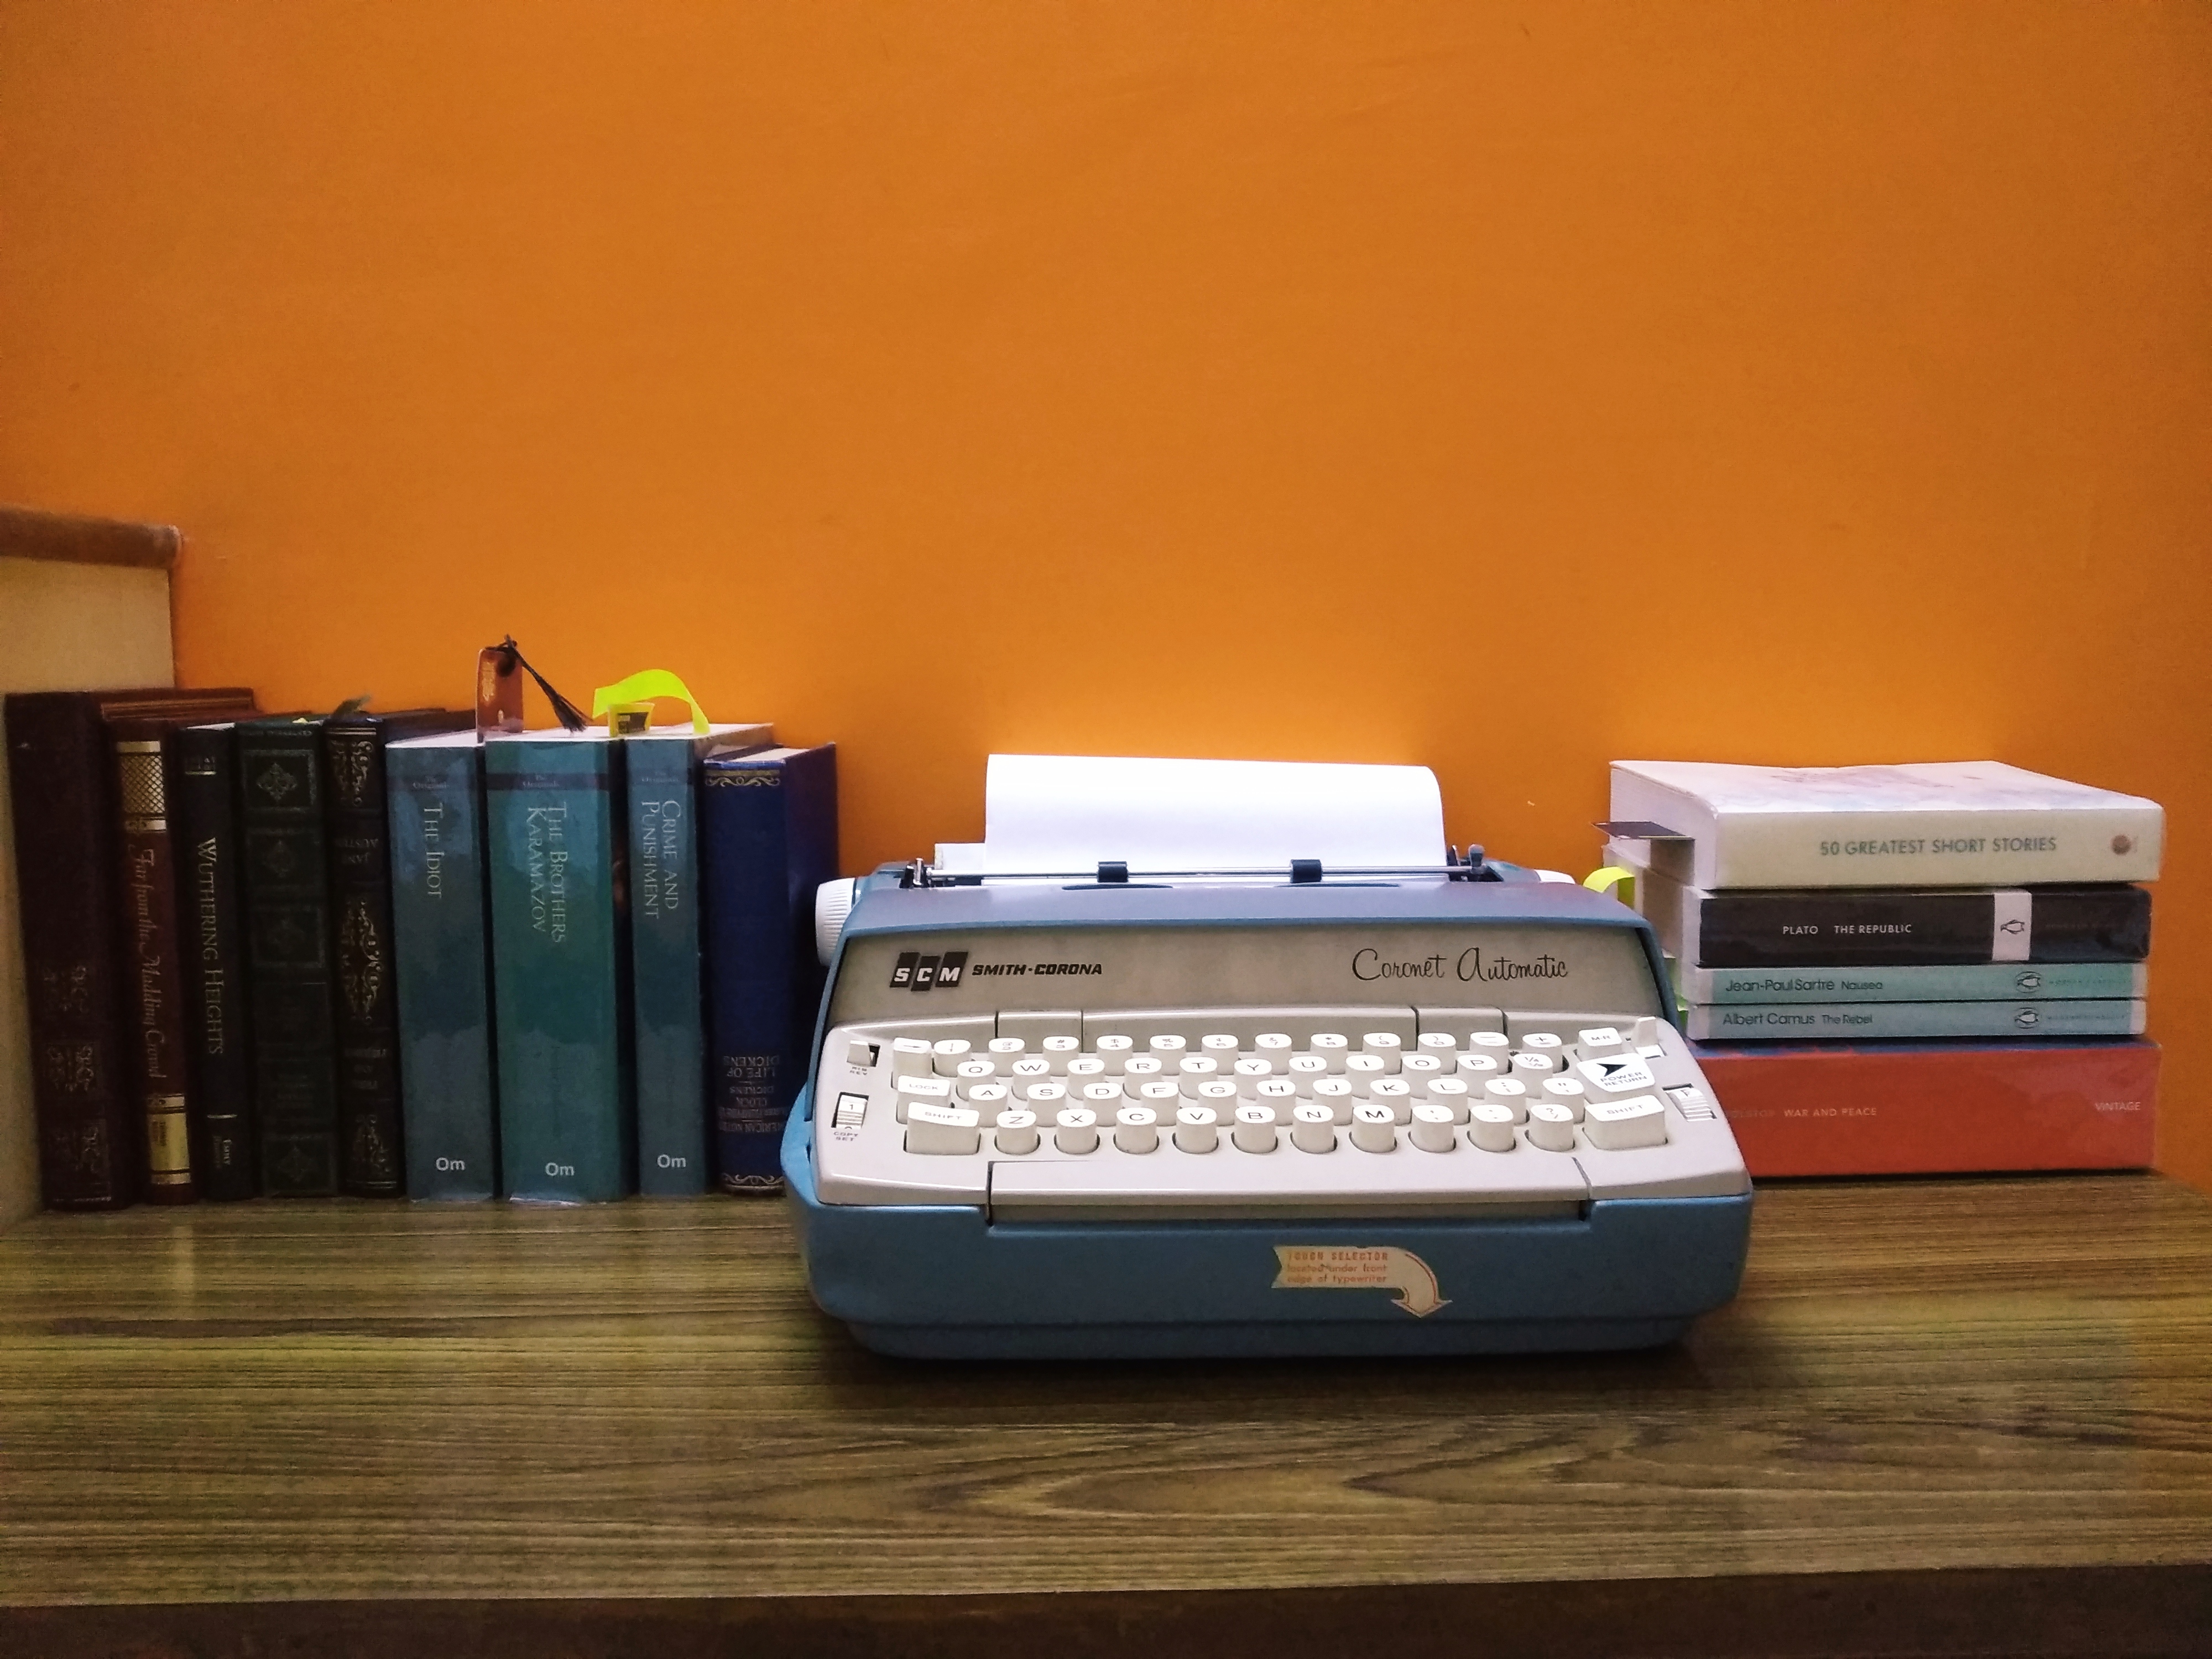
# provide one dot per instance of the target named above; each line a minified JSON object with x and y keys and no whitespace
{"x":1917,"y":824}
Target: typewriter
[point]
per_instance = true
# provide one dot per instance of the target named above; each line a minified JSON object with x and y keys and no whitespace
{"x":1431,"y":1111}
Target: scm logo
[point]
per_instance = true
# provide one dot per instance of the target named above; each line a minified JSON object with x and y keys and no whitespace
{"x":916,"y":972}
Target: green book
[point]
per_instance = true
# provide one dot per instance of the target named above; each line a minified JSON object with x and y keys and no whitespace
{"x":561,"y":965}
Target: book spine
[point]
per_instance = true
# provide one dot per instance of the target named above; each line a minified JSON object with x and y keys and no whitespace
{"x":1887,"y":1022}
{"x":769,"y":836}
{"x":156,"y":993}
{"x":288,"y":956}
{"x":1937,"y":1108}
{"x":567,"y":1126}
{"x":672,"y":1153}
{"x":1994,"y":982}
{"x":212,"y":925}
{"x":65,"y":856}
{"x":371,"y":1163}
{"x":442,"y":959}
{"x":1887,"y":928}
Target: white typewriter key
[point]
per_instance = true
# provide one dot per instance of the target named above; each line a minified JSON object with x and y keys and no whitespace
{"x":1490,"y":1127}
{"x":1312,"y":1128}
{"x":1373,"y":1128}
{"x":1533,"y":1068}
{"x":1085,"y":1068}
{"x":1421,"y":1065}
{"x":1565,"y":1092}
{"x":861,"y":1052}
{"x":1306,"y":1067}
{"x":1217,"y":1092}
{"x":1249,"y":1070}
{"x":946,"y":1130}
{"x":1220,"y":1045}
{"x":1275,"y":1095}
{"x":1274,"y":1045}
{"x":1197,"y":1128}
{"x":1045,"y":1097}
{"x":1105,"y":1094}
{"x":985,"y":1098}
{"x":1061,"y":1049}
{"x":1335,"y":1093}
{"x":1396,"y":1093}
{"x":1076,"y":1131}
{"x":1600,"y":1039}
{"x":1450,"y":1093}
{"x":1384,"y":1043}
{"x":947,"y":1056}
{"x":1510,"y":1093}
{"x":1331,"y":1047}
{"x":1552,"y":1127}
{"x":1475,"y":1068}
{"x":1016,"y":1134}
{"x":972,"y":1071}
{"x":1490,"y":1041}
{"x":1197,"y":1068}
{"x":1167,"y":1045}
{"x":1159,"y":1094}
{"x":1255,"y":1129}
{"x":1432,"y":1130}
{"x":1646,"y":1033}
{"x":912,"y":1057}
{"x":1003,"y":1052}
{"x":928,"y":1091}
{"x":1363,"y":1071}
{"x":1620,"y":1126}
{"x":1136,"y":1129}
{"x":1542,"y":1039}
{"x":1113,"y":1051}
{"x":1139,"y":1067}
{"x":1443,"y":1044}
{"x":1029,"y":1068}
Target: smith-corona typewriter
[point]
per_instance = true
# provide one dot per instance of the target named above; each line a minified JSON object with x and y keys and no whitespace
{"x":1381,"y":1112}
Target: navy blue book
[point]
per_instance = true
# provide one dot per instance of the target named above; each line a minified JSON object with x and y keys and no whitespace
{"x":442,"y":953}
{"x":675,"y":1154}
{"x":768,"y":839}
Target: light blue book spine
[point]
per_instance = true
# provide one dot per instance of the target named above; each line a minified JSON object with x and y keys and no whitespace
{"x":673,"y":1155}
{"x":1976,"y":981}
{"x":1884,"y":1022}
{"x":449,"y":1106}
{"x":561,"y":966}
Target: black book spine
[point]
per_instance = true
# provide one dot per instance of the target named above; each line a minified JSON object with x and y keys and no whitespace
{"x":66,"y":850}
{"x":371,"y":1161}
{"x":288,"y":937}
{"x":211,"y":921}
{"x":1892,"y":928}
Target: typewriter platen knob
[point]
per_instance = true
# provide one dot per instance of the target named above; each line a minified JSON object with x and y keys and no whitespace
{"x":1373,"y":1127}
{"x":833,"y":902}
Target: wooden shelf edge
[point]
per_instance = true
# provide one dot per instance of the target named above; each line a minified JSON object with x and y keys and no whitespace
{"x":70,"y":538}
{"x":2113,"y":1611}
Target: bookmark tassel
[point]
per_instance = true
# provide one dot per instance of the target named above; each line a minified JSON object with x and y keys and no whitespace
{"x":571,"y":717}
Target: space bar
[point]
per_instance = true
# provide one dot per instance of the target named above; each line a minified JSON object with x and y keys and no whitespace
{"x":1515,"y":1181}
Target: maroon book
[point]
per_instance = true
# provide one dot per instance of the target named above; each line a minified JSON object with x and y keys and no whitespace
{"x":67,"y":825}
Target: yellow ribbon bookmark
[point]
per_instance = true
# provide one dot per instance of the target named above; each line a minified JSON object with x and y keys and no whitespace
{"x":1605,"y":880}
{"x":628,"y":704}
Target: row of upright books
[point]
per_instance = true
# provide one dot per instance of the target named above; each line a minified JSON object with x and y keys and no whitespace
{"x":1904,"y":968}
{"x":384,"y":954}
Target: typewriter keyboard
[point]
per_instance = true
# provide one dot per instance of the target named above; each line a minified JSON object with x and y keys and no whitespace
{"x":1233,"y":1112}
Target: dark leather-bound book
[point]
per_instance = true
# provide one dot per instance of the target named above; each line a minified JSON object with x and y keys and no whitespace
{"x":152,"y":956}
{"x":66,"y":850}
{"x":370,"y":1158}
{"x":211,"y":919}
{"x":288,"y":952}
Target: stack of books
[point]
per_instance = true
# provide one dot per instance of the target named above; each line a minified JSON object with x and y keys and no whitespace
{"x":382,"y":954}
{"x":1903,"y":968}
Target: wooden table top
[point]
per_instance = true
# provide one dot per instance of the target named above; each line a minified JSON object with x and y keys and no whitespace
{"x":2000,"y":1390}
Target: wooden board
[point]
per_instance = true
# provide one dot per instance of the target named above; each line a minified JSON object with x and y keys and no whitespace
{"x":2007,"y":1381}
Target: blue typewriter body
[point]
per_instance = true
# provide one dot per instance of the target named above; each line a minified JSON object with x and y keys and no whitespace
{"x":1010,"y":1159}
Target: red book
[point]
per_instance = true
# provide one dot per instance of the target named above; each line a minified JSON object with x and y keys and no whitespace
{"x":1840,"y":1109}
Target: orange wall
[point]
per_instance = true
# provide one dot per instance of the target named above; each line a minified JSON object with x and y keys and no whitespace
{"x":1505,"y":389}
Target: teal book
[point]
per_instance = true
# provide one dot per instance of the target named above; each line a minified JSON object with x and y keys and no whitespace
{"x":560,"y":936}
{"x":1965,"y":981}
{"x":675,"y":1155}
{"x":442,"y":957}
{"x":1887,"y":1022}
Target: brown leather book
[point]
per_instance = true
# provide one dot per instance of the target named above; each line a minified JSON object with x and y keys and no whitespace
{"x":67,"y":823}
{"x":151,"y":954}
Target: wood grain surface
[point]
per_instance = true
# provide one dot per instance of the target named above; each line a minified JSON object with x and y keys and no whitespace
{"x":27,"y":533}
{"x":330,"y":1401}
